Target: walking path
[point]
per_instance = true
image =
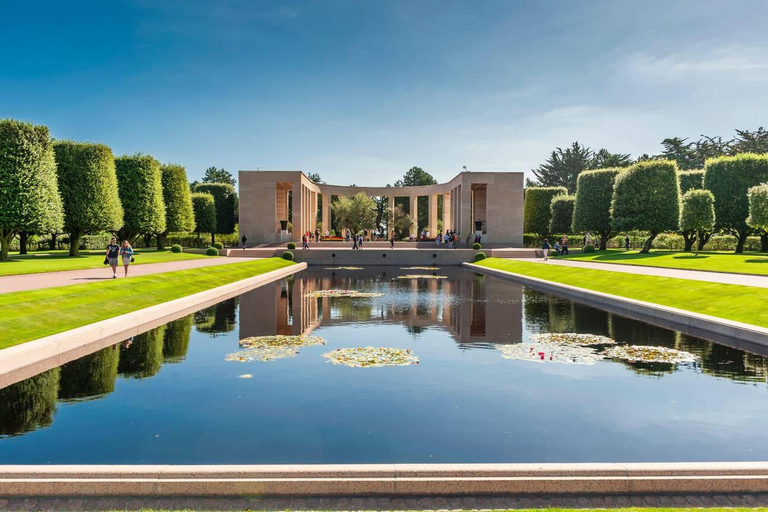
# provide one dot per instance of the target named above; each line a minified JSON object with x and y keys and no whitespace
{"x":26,"y":282}
{"x":693,"y":275}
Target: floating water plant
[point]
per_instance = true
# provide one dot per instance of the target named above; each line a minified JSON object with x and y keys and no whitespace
{"x":546,"y":352}
{"x":371,"y":357}
{"x":572,"y":338}
{"x":271,"y":348}
{"x":262,"y":354}
{"x":343,"y":268}
{"x":645,"y":354}
{"x":421,"y":276}
{"x":343,"y":293}
{"x":420,"y":268}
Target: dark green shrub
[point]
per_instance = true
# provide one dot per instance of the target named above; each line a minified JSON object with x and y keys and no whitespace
{"x":205,"y":214}
{"x":218,"y":245}
{"x":477,"y":246}
{"x":480,"y":256}
{"x":225,"y":201}
{"x":729,"y":178}
{"x":141,"y":194}
{"x":176,"y":248}
{"x":29,"y":192}
{"x":697,"y":213}
{"x":88,"y":187}
{"x":690,"y":180}
{"x":562,"y":214}
{"x":588,"y":248}
{"x":291,"y":246}
{"x":212,"y":251}
{"x":646,"y":197}
{"x":179,"y":215}
{"x":287,"y":255}
{"x":592,"y":210}
{"x":537,"y":211}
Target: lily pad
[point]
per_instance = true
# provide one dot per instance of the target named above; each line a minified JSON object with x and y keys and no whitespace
{"x":343,"y":268}
{"x":271,"y":348}
{"x":343,"y":293}
{"x":572,"y":338}
{"x":419,"y":268}
{"x":645,"y":354}
{"x":421,"y":276}
{"x":371,"y":357}
{"x":546,"y":352}
{"x":262,"y":354}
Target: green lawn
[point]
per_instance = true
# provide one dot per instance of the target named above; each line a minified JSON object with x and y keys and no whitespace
{"x":29,"y":315}
{"x":747,"y":263}
{"x":733,"y":302}
{"x":53,"y":261}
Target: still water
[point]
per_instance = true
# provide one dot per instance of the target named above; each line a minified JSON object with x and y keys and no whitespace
{"x":170,"y":396}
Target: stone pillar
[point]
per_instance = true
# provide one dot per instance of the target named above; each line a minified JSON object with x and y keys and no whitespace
{"x":414,"y":213}
{"x":314,"y":211}
{"x":326,"y":215}
{"x":390,"y":215}
{"x":296,"y":211}
{"x":433,"y":215}
{"x":447,"y":198}
{"x":466,"y":211}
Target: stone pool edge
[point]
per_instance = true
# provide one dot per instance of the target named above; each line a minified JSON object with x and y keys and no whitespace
{"x":33,"y":357}
{"x":384,"y":479}
{"x":689,"y":321}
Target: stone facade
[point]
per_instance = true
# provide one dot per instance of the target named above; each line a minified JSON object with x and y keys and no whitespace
{"x":493,"y":198}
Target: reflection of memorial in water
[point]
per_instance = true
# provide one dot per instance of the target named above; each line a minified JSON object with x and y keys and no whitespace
{"x":470,"y":307}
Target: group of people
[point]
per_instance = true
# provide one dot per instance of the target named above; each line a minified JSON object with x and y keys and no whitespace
{"x":116,"y":252}
{"x":561,"y":247}
{"x":450,"y":239}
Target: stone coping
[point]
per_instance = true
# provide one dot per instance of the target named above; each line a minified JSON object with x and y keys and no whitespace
{"x":738,"y":334}
{"x":384,"y":479}
{"x":33,"y":357}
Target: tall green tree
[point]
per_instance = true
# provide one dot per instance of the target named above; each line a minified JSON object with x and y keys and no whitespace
{"x":646,"y":197}
{"x":417,"y":177}
{"x":315,"y":177}
{"x":693,"y":180}
{"x":729,"y":178}
{"x":178,"y":202}
{"x":205,"y":214}
{"x":562,"y":214}
{"x":563,"y":167}
{"x":141,"y":193}
{"x":401,"y":223}
{"x":592,"y":210}
{"x":751,"y":141}
{"x":537,"y":209}
{"x":355,"y":213}
{"x":29,"y":192}
{"x":214,"y":175}
{"x":88,"y":186}
{"x":697,"y":213}
{"x":225,"y":200}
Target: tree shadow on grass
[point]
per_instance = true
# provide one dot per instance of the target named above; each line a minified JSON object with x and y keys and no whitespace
{"x":764,"y":260}
{"x":690,"y":257}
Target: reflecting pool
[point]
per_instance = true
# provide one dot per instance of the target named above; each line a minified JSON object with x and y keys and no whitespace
{"x":170,"y":396}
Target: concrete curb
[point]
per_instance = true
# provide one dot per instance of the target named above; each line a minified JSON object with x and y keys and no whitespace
{"x":28,"y":359}
{"x":383,"y":479}
{"x":717,"y":329}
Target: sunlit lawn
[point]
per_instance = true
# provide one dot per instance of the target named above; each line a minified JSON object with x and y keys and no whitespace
{"x":747,"y":263}
{"x":52,"y":261}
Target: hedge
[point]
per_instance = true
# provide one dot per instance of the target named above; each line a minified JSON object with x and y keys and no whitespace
{"x":88,"y":187}
{"x":29,"y":192}
{"x":729,"y":178}
{"x":205,"y":214}
{"x":177,"y":248}
{"x":141,"y":193}
{"x":691,"y":180}
{"x":592,"y":210}
{"x":758,"y":207}
{"x":212,"y":251}
{"x":179,"y":215}
{"x":225,"y":200}
{"x":537,"y":211}
{"x":562,"y":214}
{"x":218,"y":245}
{"x":697,"y":213}
{"x":646,"y":197}
{"x":476,"y":246}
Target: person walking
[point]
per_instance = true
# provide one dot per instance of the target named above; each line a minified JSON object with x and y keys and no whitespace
{"x":545,"y":249}
{"x":244,"y":241}
{"x":113,"y":250}
{"x":392,"y":240}
{"x":360,"y":242}
{"x":626,"y":243}
{"x":438,"y":239}
{"x":354,"y":242}
{"x":126,"y":254}
{"x":564,"y":245}
{"x":304,"y":242}
{"x":587,"y":239}
{"x":317,"y":234}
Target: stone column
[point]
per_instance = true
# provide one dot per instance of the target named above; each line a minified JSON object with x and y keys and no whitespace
{"x":296,"y":210}
{"x":390,"y":215}
{"x":314,"y":211}
{"x":326,"y":216}
{"x":433,"y":215}
{"x":447,"y":198}
{"x":466,"y":211}
{"x":415,"y":215}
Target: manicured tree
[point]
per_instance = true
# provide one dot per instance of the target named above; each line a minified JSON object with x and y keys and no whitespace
{"x":144,"y":356}
{"x":646,"y":197}
{"x":141,"y":193}
{"x":176,"y":339}
{"x":225,"y":200}
{"x":697,"y":213}
{"x":758,"y":207}
{"x":29,"y":193}
{"x":729,"y":178}
{"x":91,"y":376}
{"x":693,"y":180}
{"x":537,"y":208}
{"x":88,"y":186}
{"x":178,"y":203}
{"x":205,"y":214}
{"x":592,"y":210}
{"x":562,"y":214}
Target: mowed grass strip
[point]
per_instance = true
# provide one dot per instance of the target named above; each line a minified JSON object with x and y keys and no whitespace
{"x":732,"y":302}
{"x":747,"y":263}
{"x":54,"y":261}
{"x":30,"y":315}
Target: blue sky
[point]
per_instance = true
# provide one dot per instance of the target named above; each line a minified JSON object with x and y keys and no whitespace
{"x":360,"y":91}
